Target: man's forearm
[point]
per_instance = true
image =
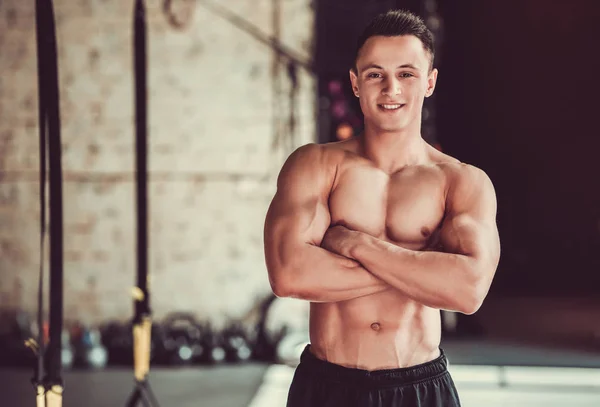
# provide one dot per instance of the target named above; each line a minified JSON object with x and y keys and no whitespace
{"x":438,"y":280}
{"x":317,"y":275}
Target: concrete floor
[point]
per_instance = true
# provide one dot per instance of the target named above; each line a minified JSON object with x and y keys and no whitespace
{"x":517,"y":353}
{"x":490,"y":374}
{"x":224,"y":386}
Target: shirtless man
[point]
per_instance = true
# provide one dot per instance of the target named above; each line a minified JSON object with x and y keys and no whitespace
{"x":379,"y":233}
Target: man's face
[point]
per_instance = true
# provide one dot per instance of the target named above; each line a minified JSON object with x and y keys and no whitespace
{"x":392,"y":80}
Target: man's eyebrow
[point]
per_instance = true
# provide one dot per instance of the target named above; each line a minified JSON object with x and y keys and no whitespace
{"x":371,"y":66}
{"x":409,"y":66}
{"x":375,"y":66}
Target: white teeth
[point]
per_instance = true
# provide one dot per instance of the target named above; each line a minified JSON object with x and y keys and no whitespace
{"x":391,"y":106}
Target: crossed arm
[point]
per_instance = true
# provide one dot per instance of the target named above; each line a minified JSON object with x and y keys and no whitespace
{"x":296,"y":222}
{"x":307,"y":259}
{"x":457,"y":278}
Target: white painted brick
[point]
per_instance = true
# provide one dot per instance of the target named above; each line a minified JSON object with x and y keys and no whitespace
{"x":214,"y":157}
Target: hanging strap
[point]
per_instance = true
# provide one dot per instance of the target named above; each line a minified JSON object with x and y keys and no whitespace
{"x":142,"y":324}
{"x":41,"y":52}
{"x":142,"y":302}
{"x":49,"y":121}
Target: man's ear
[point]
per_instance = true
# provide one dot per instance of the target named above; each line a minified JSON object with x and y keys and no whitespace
{"x":354,"y":82}
{"x":431,"y":81}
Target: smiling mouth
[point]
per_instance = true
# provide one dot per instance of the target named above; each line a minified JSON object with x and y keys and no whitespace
{"x":390,"y":107}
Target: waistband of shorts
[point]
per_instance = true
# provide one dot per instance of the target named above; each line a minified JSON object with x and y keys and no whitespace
{"x":385,"y":377}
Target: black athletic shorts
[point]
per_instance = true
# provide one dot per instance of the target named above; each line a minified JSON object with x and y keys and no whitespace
{"x":318,"y":383}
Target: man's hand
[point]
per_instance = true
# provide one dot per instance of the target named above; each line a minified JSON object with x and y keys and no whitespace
{"x":340,"y":240}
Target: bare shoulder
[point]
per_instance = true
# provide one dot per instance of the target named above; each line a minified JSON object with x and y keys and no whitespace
{"x":320,"y":157}
{"x":311,"y":157}
{"x":462,"y":175}
{"x":303,"y":156}
{"x":459,"y":173}
{"x":469,"y":188}
{"x":310,"y":167}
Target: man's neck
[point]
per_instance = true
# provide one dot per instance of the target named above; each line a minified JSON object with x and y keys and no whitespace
{"x":391,"y":151}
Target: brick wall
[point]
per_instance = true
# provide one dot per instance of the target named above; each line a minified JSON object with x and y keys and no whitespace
{"x":219,"y":109}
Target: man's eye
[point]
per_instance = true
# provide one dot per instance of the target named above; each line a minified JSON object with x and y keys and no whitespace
{"x":374,"y":75}
{"x":406,"y":75}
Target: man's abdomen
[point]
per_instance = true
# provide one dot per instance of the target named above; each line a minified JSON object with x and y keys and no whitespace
{"x":380,"y":331}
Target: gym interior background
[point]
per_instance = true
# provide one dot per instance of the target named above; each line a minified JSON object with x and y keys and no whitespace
{"x":516,"y":97}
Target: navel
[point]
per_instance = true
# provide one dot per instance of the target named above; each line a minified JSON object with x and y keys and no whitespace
{"x":376,"y":326}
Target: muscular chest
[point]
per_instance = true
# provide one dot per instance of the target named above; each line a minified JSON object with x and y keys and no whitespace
{"x":405,"y":208}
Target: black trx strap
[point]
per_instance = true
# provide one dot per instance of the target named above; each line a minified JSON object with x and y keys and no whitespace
{"x":49,"y":385}
{"x":141,"y":322}
{"x":142,"y":306}
{"x":39,"y":371}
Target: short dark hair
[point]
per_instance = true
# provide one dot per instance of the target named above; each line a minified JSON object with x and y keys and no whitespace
{"x":395,"y":23}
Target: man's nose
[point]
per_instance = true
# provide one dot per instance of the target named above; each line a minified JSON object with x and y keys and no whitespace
{"x":392,"y":87}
